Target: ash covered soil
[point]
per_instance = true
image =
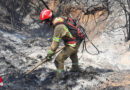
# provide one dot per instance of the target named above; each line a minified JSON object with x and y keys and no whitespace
{"x":20,"y":51}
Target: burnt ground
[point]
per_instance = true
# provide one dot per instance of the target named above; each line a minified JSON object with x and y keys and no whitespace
{"x":98,"y":80}
{"x":20,"y":51}
{"x":24,"y":41}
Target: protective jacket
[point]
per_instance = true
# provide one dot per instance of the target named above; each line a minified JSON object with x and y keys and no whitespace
{"x":69,"y":35}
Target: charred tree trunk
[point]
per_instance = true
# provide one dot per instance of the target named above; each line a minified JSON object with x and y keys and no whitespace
{"x":128,"y":34}
{"x":129,"y":29}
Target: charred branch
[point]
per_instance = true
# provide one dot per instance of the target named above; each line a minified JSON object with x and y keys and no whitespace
{"x":93,"y":9}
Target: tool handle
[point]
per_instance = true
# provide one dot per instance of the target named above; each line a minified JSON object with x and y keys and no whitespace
{"x":36,"y":66}
{"x":43,"y":61}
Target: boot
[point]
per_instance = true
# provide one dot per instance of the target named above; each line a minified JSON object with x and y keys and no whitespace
{"x":60,"y":75}
{"x":75,"y":68}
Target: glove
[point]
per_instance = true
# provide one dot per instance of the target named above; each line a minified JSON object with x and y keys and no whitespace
{"x":49,"y":55}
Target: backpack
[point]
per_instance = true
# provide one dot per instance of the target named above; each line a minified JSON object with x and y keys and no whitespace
{"x":75,"y":29}
{"x":77,"y":32}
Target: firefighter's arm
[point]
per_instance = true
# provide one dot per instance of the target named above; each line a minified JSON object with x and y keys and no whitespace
{"x":59,"y":32}
{"x":52,"y":50}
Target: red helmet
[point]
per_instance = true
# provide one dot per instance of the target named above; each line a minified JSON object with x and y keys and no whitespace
{"x":45,"y":14}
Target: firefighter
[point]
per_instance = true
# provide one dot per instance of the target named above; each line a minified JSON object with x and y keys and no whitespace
{"x":61,"y":32}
